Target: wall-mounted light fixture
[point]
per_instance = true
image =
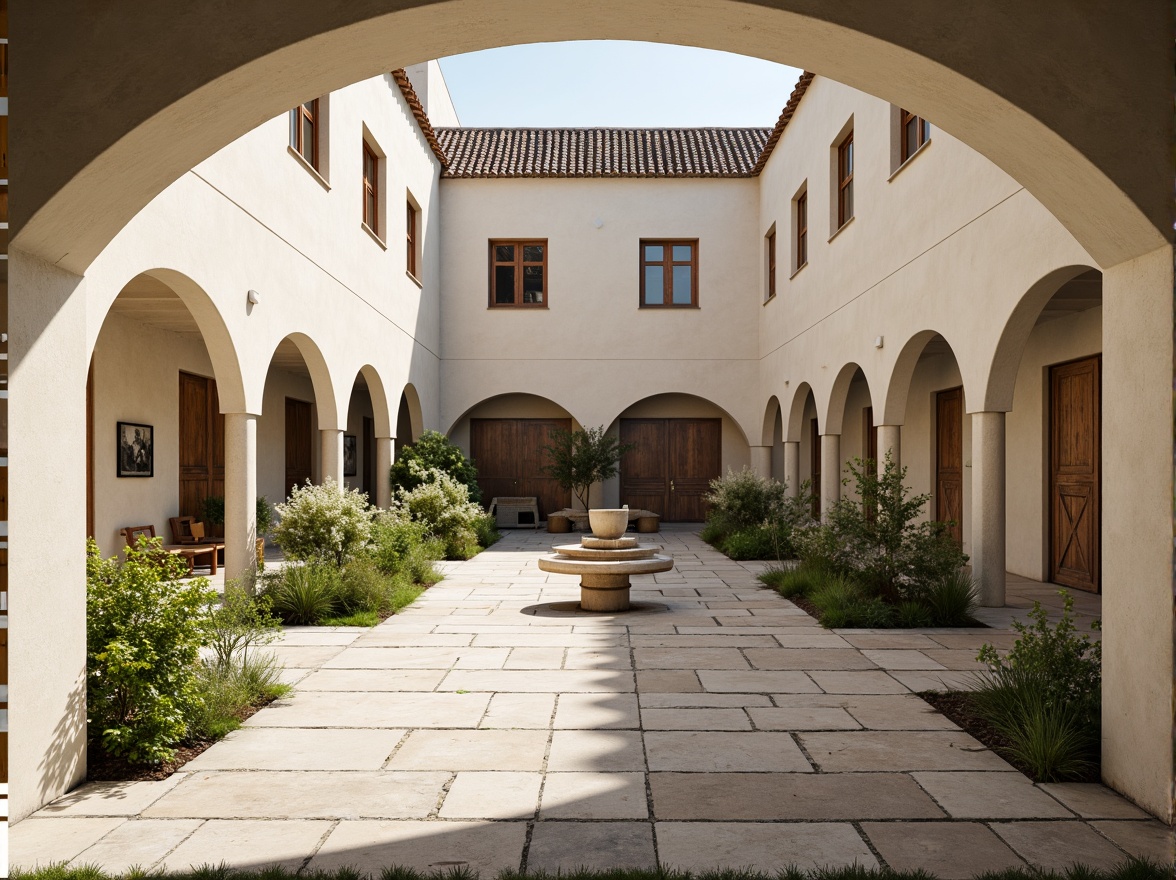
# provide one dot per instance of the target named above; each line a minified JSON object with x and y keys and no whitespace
{"x":598,"y":222}
{"x":878,"y":341}
{"x":253,"y":297}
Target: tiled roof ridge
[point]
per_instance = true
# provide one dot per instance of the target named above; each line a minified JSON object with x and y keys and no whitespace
{"x":418,"y":112}
{"x":801,"y":87}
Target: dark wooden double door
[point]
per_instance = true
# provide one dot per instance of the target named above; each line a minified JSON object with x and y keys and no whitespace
{"x":510,"y":456}
{"x":299,"y":442}
{"x":202,"y":444}
{"x":949,"y":460}
{"x":670,"y":468}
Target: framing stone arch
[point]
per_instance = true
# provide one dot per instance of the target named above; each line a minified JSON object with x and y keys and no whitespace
{"x":369,"y":425}
{"x":381,"y":409}
{"x":793,"y":425}
{"x":326,"y":401}
{"x":409,"y":417}
{"x":892,"y":410}
{"x":772,"y":411}
{"x":941,"y":67}
{"x":1006,"y":358}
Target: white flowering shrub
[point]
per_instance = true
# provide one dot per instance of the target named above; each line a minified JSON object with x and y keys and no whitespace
{"x":442,"y":505}
{"x":323,"y":523}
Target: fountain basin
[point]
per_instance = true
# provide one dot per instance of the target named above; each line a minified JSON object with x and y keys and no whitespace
{"x":604,"y":582}
{"x":608,"y":522}
{"x":579,"y":551}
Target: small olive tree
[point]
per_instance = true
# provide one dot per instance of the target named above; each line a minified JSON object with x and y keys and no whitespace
{"x":579,"y":459}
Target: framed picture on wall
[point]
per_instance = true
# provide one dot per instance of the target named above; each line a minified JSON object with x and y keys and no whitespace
{"x":136,"y":450}
{"x":350,"y":456}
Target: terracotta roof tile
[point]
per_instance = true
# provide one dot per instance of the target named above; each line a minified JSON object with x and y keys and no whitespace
{"x":418,"y":112}
{"x":601,"y":152}
{"x":802,"y":85}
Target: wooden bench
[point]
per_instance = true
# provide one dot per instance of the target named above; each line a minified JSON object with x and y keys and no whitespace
{"x":506,"y":511}
{"x":188,"y":552}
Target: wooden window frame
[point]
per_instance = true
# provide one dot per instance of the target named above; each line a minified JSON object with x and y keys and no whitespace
{"x":667,"y":262}
{"x":410,"y":227}
{"x":371,"y":188}
{"x":801,"y":231}
{"x":845,"y":180}
{"x":922,"y":134}
{"x":771,"y":237}
{"x":309,"y":111}
{"x":518,"y":262}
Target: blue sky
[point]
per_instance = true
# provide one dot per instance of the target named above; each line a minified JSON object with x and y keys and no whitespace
{"x":610,"y":83}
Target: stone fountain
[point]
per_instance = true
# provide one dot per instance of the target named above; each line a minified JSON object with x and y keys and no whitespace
{"x":605,"y":560}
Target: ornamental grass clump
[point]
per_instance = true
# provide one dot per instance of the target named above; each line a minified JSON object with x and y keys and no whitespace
{"x":324,"y":523}
{"x":1045,"y":697}
{"x":144,"y":630}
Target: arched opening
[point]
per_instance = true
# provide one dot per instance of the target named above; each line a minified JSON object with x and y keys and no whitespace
{"x":505,"y":437}
{"x":1048,"y":368}
{"x":409,"y":421}
{"x":927,"y":397}
{"x":156,"y":392}
{"x":368,"y":431}
{"x":772,"y":437}
{"x":802,"y":447}
{"x":297,"y":435}
{"x":680,"y":443}
{"x":850,"y":415}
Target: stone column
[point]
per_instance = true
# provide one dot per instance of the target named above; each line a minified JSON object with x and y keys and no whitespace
{"x":331,"y":459}
{"x":988,"y":506}
{"x":889,"y":440}
{"x":240,"y":494}
{"x":383,"y":497}
{"x":830,"y":472}
{"x":761,"y":460}
{"x":792,"y":467}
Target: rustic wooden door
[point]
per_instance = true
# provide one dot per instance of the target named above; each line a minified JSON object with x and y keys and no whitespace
{"x":1074,"y":502}
{"x":695,"y":459}
{"x":645,"y":481}
{"x":201,"y":445}
{"x":815,"y":467}
{"x":299,"y":442}
{"x":670,"y":469}
{"x":949,"y":460}
{"x":510,"y":456}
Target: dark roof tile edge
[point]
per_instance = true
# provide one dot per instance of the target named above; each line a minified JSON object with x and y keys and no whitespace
{"x":802,"y":85}
{"x":418,"y":112}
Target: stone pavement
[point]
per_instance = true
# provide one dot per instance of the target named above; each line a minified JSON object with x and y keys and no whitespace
{"x":490,"y":725}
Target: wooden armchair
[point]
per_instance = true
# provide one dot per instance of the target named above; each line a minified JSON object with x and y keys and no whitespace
{"x":186,"y":530}
{"x":189,"y":551}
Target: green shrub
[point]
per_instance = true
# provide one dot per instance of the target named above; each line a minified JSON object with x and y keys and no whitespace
{"x":843,"y":603}
{"x":790,"y":583}
{"x":366,"y":589}
{"x":227,"y":690}
{"x":442,"y":505}
{"x":1046,"y":695}
{"x":265,"y":516}
{"x":144,"y":629}
{"x":486,"y":530}
{"x":952,"y":599}
{"x":323,"y":523}
{"x":755,"y":542}
{"x":743,"y":499}
{"x":240,"y":624}
{"x":879,"y":537}
{"x":713,"y":534}
{"x":434,"y":451}
{"x":401,"y":545}
{"x":303,"y":595}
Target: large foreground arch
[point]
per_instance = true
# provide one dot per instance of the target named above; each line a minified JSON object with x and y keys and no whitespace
{"x":1015,"y":81}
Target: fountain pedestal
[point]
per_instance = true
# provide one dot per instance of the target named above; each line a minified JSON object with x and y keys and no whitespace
{"x":605,"y":566}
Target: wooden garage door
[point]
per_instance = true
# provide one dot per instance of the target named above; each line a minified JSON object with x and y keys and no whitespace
{"x":949,"y":460}
{"x":509,"y":455}
{"x":1074,"y":502}
{"x":670,"y":469}
{"x":202,"y":445}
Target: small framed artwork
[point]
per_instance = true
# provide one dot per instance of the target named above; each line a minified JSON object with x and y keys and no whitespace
{"x":136,"y":450}
{"x":350,"y":456}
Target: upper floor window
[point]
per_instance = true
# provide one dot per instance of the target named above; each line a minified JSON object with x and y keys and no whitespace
{"x":669,"y":273}
{"x":518,"y":273}
{"x":915,"y":132}
{"x":410,"y":225}
{"x":771,"y":246}
{"x":304,"y":125}
{"x":801,"y":241}
{"x":845,"y":180}
{"x":371,"y":188}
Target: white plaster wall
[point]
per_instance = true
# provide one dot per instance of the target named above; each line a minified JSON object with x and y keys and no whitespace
{"x":428,"y":82}
{"x":593,"y":350}
{"x":271,"y":432}
{"x":508,"y":406}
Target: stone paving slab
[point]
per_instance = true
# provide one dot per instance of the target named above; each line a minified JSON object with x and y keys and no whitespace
{"x":485,"y":727}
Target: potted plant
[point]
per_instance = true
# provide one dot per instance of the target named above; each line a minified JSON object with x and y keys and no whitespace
{"x":214,"y":515}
